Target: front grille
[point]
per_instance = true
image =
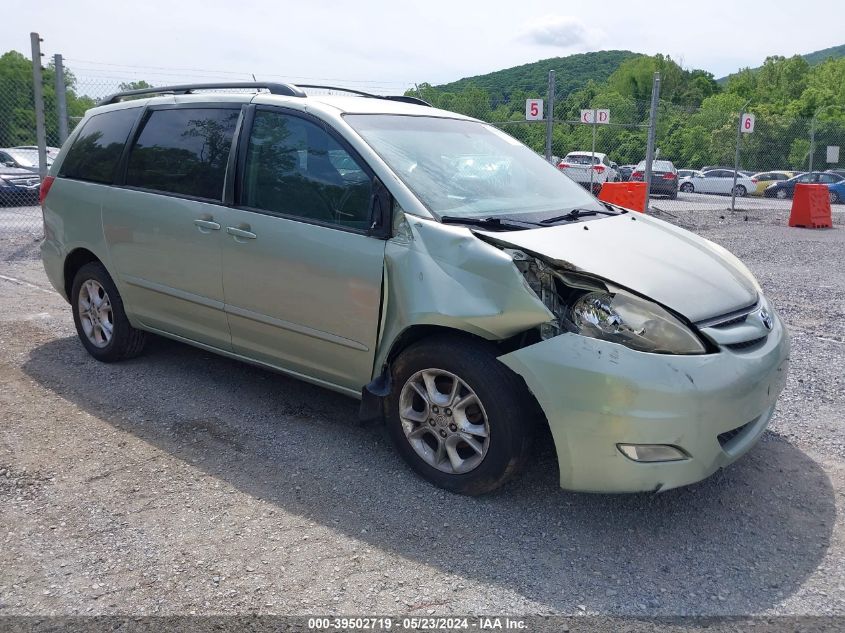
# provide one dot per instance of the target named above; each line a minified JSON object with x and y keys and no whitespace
{"x":23,"y":182}
{"x":745,"y":345}
{"x":727,"y":436}
{"x":730,"y":322}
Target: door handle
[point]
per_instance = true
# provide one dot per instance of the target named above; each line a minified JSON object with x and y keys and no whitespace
{"x":242,"y":233}
{"x":206,"y":225}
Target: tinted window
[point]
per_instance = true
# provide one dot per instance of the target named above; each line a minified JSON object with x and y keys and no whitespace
{"x":183,"y":150}
{"x":829,"y":178}
{"x":96,"y":151}
{"x":293,"y":166}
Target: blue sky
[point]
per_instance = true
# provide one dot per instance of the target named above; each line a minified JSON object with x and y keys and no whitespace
{"x":389,"y":45}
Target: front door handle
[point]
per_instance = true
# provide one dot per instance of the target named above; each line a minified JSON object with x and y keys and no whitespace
{"x":242,"y":233}
{"x":206,"y":225}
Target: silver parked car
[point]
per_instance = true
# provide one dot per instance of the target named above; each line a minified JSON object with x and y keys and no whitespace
{"x":428,"y":264}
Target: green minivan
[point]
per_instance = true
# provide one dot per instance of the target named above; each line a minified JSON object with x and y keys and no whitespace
{"x":426,"y":263}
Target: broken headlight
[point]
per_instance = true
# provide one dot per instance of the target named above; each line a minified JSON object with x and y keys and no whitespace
{"x":624,"y":318}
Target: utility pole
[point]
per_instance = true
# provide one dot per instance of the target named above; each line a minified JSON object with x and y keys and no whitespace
{"x":61,"y":97}
{"x":652,"y":132}
{"x":38,"y":95}
{"x":550,"y":115}
{"x":736,"y":156}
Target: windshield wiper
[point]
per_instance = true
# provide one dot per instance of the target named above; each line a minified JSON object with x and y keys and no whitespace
{"x":575,"y":214}
{"x":508,"y":224}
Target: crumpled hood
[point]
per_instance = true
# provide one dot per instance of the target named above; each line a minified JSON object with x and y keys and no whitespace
{"x":674,"y":267}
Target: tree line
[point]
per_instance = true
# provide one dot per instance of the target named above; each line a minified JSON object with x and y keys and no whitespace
{"x":697,"y":116}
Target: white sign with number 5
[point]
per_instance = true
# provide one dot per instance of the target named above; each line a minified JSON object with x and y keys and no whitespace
{"x":747,"y":124}
{"x":533,"y":109}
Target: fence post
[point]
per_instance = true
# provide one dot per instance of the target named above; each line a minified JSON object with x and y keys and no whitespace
{"x":61,"y":97}
{"x":736,"y":157}
{"x":652,"y":132}
{"x":550,"y":115}
{"x":38,"y":96}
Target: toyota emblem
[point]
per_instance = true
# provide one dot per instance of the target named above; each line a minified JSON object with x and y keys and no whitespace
{"x":766,"y":318}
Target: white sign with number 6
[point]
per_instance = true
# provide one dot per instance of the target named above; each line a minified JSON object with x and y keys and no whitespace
{"x":533,"y":109}
{"x":747,"y":125}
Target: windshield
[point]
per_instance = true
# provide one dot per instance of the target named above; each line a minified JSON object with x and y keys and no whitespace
{"x":469,"y":169}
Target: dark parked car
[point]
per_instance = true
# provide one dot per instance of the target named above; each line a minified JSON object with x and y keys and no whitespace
{"x":625,"y":171}
{"x":786,"y":188}
{"x":664,"y":178}
{"x":18,"y":187}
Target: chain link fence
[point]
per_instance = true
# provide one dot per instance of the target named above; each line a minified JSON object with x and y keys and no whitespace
{"x":695,"y":148}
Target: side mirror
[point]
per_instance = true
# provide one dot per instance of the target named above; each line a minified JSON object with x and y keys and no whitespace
{"x":381,"y":211}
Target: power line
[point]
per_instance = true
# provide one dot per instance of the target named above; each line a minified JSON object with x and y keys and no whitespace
{"x":229,"y":72}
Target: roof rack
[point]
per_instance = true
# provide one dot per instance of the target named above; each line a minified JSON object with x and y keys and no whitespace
{"x":403,"y":98}
{"x":287,"y":90}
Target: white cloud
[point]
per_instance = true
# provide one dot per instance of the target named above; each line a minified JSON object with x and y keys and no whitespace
{"x":560,"y":31}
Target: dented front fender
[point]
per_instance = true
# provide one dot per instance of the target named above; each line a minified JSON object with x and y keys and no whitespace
{"x":443,"y":275}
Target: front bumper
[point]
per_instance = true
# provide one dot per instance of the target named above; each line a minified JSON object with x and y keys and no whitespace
{"x":597,"y":394}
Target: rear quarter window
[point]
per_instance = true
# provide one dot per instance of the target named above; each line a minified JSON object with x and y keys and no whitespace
{"x":96,"y":151}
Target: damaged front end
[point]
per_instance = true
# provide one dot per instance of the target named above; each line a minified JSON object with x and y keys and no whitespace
{"x":589,"y":306}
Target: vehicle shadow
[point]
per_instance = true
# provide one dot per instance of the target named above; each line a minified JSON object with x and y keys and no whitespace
{"x":737,"y":543}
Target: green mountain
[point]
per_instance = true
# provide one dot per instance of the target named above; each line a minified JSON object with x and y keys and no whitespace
{"x":823,"y":55}
{"x":813,"y":59}
{"x":571,"y":73}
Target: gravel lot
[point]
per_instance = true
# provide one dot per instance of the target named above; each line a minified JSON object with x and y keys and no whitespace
{"x":181,"y":482}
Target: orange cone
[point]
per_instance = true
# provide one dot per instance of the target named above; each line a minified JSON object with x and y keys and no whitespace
{"x":630,"y":195}
{"x":811,"y":207}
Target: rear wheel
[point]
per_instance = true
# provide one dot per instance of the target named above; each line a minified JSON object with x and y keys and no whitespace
{"x":687,"y":187}
{"x":740,"y":191}
{"x":834,"y":197}
{"x":100,"y":319}
{"x":458,"y":416}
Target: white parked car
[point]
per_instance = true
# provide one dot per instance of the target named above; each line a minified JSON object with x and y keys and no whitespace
{"x":579,"y":165}
{"x":718,"y":181}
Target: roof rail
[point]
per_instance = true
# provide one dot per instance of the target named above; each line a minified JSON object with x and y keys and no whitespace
{"x":287,"y":90}
{"x":360,"y":93}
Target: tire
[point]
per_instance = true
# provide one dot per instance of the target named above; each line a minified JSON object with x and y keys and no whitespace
{"x":834,"y":197}
{"x":91,"y":284}
{"x":673,"y":195}
{"x":740,"y":191}
{"x":688,"y":187}
{"x":423,"y":428}
{"x":781,"y":194}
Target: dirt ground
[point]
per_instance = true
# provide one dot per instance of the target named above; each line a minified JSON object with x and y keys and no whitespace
{"x":181,"y":482}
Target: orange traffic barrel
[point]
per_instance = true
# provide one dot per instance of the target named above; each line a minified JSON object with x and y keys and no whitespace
{"x":811,"y":207}
{"x":630,"y":195}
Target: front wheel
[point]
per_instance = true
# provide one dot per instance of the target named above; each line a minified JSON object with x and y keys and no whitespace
{"x":781,"y":194}
{"x":100,"y":319}
{"x":458,"y":416}
{"x":687,"y":187}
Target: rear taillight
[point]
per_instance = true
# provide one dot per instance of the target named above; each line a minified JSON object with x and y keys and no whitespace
{"x":754,"y":180}
{"x":669,"y":176}
{"x":637,"y":175}
{"x":563,"y":165}
{"x":45,"y":188}
{"x":599,"y":169}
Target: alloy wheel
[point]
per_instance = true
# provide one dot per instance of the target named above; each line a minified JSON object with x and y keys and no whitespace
{"x":95,"y":313}
{"x":444,"y":421}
